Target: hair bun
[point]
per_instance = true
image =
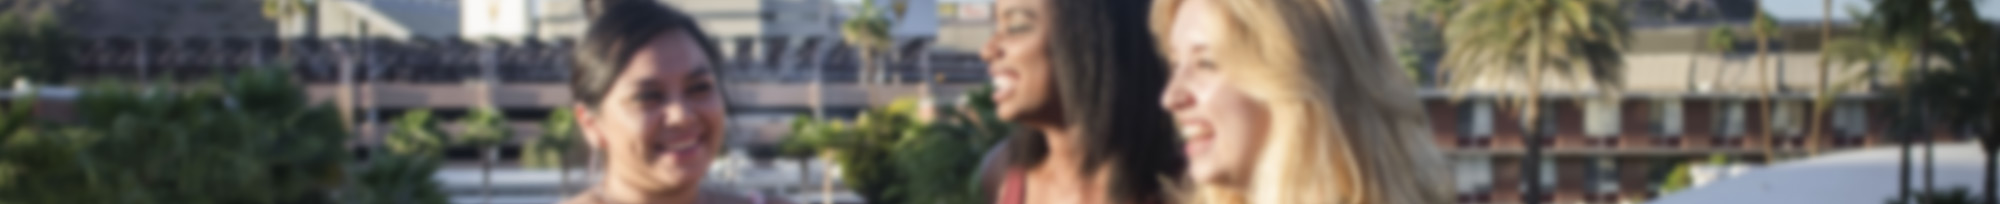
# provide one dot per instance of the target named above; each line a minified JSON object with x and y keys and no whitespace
{"x":595,"y":8}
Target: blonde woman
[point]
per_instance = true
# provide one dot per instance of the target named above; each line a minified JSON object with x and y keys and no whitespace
{"x":1294,"y":101}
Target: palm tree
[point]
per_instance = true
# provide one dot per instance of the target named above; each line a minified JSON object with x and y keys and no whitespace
{"x":1898,"y":34}
{"x":416,"y":147}
{"x":868,"y":32}
{"x":416,"y":133}
{"x":1978,"y":43}
{"x":1904,"y":20}
{"x":1763,"y":27}
{"x":1825,"y":73}
{"x":1425,"y":43}
{"x":556,"y":146}
{"x":285,"y":11}
{"x":1513,"y":44}
{"x":1721,"y":40}
{"x":486,"y":129}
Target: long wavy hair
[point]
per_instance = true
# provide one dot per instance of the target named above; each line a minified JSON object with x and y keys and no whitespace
{"x":1107,"y":77}
{"x":1347,"y":126}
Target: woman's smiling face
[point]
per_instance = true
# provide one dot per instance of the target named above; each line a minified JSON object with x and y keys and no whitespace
{"x":661,"y":121}
{"x":1018,"y":59}
{"x":1222,"y":127}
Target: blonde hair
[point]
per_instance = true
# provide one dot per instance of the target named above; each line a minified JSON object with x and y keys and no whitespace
{"x":1347,"y":125}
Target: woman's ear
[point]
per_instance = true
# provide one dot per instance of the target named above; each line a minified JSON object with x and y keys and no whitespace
{"x":588,"y":124}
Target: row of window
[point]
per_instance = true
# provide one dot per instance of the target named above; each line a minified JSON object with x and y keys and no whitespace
{"x":1475,"y":174}
{"x":1602,"y":118}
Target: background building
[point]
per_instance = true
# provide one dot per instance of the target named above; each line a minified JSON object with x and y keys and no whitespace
{"x":1678,"y":102}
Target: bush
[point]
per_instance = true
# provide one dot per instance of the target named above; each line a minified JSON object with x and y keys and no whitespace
{"x":889,"y":156}
{"x":247,"y":138}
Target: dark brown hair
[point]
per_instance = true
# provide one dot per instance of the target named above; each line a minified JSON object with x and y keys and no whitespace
{"x":1108,"y":77}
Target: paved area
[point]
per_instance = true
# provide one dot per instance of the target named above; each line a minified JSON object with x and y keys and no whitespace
{"x":515,"y":185}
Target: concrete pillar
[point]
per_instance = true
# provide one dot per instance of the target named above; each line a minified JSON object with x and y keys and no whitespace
{"x":140,"y":59}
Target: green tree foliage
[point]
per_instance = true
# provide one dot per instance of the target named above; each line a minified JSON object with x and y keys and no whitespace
{"x":32,"y":46}
{"x":559,"y":144}
{"x":889,"y":156}
{"x":248,"y":138}
{"x":1507,"y":40}
{"x":1720,"y":40}
{"x":417,"y":133}
{"x":1520,"y":46}
{"x":1682,"y":176}
{"x":558,"y":141}
{"x":399,"y":179}
{"x":484,"y":127}
{"x":868,"y":29}
{"x":402,"y":174}
{"x":230,"y":140}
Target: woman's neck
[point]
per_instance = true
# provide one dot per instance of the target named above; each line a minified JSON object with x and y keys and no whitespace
{"x":1061,"y":170}
{"x":1063,"y":150}
{"x":615,"y":192}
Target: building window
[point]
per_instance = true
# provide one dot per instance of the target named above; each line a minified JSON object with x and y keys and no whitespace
{"x":1476,"y":119}
{"x":1475,"y":174}
{"x":1850,"y":119}
{"x":1548,"y":175}
{"x":1729,"y":118}
{"x":1603,"y":176}
{"x":1785,"y":119}
{"x":1601,"y":118}
{"x":1667,"y":117}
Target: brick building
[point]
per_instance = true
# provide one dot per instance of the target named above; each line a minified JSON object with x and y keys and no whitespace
{"x":1613,"y":150}
{"x":1678,"y":102}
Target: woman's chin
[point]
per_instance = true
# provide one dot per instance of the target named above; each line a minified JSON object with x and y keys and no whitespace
{"x":679,"y":173}
{"x":1208,"y":176}
{"x":677,"y":178}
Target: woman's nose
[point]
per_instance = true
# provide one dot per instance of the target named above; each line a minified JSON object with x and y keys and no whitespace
{"x":676,"y":112}
{"x":1175,"y":99}
{"x":991,"y":51}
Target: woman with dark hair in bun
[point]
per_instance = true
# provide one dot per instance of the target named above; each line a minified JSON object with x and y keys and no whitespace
{"x":649,"y":102}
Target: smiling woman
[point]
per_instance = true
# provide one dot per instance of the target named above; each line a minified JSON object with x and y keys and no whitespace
{"x":1076,"y":73}
{"x":1294,"y":101}
{"x":649,"y":104}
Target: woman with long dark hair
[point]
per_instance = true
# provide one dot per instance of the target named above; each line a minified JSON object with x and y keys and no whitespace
{"x":1077,"y":74}
{"x":650,"y":104}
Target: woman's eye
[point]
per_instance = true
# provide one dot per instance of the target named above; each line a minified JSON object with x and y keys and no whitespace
{"x":1016,"y":22}
{"x":1017,"y":28}
{"x":701,"y":88}
{"x":651,"y":97}
{"x":1205,"y":64}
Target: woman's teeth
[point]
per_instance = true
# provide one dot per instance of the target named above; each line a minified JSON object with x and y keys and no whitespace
{"x":683,"y":146}
{"x":1002,"y":84}
{"x":1190,"y":131}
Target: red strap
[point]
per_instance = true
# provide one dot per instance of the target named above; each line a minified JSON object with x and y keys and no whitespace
{"x":1013,"y":189}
